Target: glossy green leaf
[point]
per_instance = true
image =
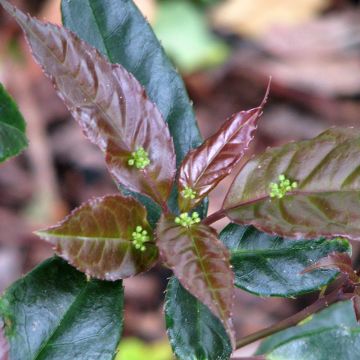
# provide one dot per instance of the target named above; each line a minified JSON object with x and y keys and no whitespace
{"x":268,"y":265}
{"x":326,"y":201}
{"x":194,"y":332}
{"x":332,"y":334}
{"x":55,"y":313}
{"x":97,"y":238}
{"x":12,"y":127}
{"x":120,"y":32}
{"x":204,"y":167}
{"x":201,"y":263}
{"x":109,"y":104}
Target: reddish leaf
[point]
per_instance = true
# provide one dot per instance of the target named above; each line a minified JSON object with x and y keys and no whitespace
{"x":336,"y":260}
{"x":97,"y":238}
{"x":201,"y":263}
{"x":326,"y":201}
{"x":109,"y":104}
{"x":204,"y":167}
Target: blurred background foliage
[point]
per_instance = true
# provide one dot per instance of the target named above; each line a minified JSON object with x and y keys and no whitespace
{"x":226,"y":51}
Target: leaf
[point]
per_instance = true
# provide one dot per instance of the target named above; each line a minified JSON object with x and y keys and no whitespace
{"x":120,"y":32}
{"x":191,"y":45}
{"x":331,"y":334}
{"x":12,"y":127}
{"x":4,"y":347}
{"x":54,"y":313}
{"x":268,"y":265}
{"x":194,"y":332}
{"x":109,"y":104}
{"x":204,"y":167}
{"x":97,"y":238}
{"x":201,"y":263}
{"x":336,"y":260}
{"x":326,"y":200}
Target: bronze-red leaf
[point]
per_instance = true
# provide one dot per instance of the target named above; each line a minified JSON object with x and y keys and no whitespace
{"x":204,"y":167}
{"x":201,"y":263}
{"x":97,"y":238}
{"x":110,"y":105}
{"x":304,"y":189}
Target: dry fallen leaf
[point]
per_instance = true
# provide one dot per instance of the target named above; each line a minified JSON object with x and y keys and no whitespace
{"x":253,"y":18}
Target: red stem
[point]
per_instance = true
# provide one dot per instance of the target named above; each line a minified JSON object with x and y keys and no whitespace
{"x":214,"y":217}
{"x":336,"y":295}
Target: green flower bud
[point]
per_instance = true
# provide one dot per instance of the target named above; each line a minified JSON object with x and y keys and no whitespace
{"x":280,"y":189}
{"x":139,"y":158}
{"x":188,"y":193}
{"x":186,"y":221}
{"x":139,"y":238}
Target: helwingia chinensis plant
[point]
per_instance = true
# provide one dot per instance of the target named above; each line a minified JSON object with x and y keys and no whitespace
{"x":293,"y":209}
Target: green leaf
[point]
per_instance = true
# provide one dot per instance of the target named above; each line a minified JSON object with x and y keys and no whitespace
{"x":191,"y":45}
{"x":109,"y":104}
{"x":54,"y":313}
{"x":120,"y":32}
{"x":331,"y":334}
{"x":12,"y":127}
{"x":194,"y":332}
{"x":326,"y":201}
{"x":204,"y":167}
{"x":269,"y":265}
{"x":201,"y":263}
{"x":98,"y":238}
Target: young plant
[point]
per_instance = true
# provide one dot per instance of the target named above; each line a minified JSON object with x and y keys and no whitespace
{"x":130,"y":102}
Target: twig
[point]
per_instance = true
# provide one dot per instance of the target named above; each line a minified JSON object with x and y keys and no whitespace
{"x":214,"y":217}
{"x":321,"y":303}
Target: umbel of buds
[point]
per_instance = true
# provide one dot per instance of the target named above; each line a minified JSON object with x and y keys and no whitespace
{"x":139,"y":238}
{"x":188,"y":193}
{"x":139,"y":158}
{"x":186,"y":221}
{"x":284,"y":185}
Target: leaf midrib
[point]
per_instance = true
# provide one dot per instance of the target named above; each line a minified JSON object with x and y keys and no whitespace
{"x":207,"y":277}
{"x":247,"y":252}
{"x":47,"y":341}
{"x":84,"y":238}
{"x":292,"y":193}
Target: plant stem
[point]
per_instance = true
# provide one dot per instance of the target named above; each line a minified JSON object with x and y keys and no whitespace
{"x":214,"y":217}
{"x":336,"y":295}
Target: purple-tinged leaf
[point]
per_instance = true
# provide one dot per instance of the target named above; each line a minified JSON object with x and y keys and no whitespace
{"x":97,"y":238}
{"x":204,"y":167}
{"x":325,"y":197}
{"x":110,"y":105}
{"x":336,"y":260}
{"x":201,"y":263}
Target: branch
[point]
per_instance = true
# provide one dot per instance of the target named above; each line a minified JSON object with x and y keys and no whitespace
{"x":214,"y":217}
{"x":336,"y":295}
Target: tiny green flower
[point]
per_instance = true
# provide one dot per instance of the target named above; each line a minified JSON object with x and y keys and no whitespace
{"x":139,"y":238}
{"x":139,"y":158}
{"x":188,"y":193}
{"x":284,"y":185}
{"x":186,"y":221}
